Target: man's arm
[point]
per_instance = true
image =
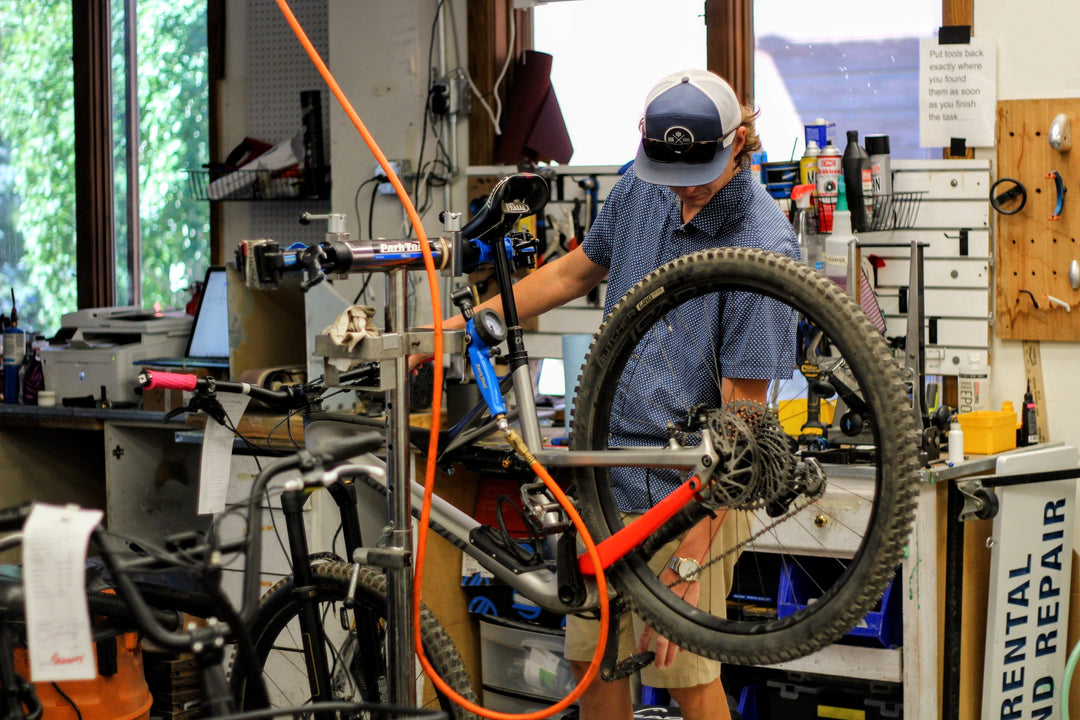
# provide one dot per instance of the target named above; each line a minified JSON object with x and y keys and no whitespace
{"x":552,"y":284}
{"x":698,"y":540}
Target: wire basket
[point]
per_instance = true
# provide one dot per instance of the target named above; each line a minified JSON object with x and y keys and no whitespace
{"x":893,"y":211}
{"x":220,"y":185}
{"x":341,"y":710}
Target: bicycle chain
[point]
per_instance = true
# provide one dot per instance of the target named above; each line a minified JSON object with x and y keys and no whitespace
{"x":789,"y":514}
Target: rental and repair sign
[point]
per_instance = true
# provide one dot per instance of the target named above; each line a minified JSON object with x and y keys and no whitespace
{"x":1030,"y":569}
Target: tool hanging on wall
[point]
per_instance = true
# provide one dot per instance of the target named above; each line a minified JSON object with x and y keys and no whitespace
{"x":1060,"y":135}
{"x":1008,"y":196}
{"x":1033,"y":251}
{"x":1059,"y":185}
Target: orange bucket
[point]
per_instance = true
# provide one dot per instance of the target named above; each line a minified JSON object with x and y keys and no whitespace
{"x":121,"y":696}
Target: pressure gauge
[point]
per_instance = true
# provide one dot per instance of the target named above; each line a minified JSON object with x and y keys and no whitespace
{"x":490,"y":326}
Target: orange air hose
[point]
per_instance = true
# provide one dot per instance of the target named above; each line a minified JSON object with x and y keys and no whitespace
{"x":436,"y":411}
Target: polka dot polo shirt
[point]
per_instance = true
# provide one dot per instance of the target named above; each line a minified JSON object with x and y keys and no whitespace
{"x":638,"y":229}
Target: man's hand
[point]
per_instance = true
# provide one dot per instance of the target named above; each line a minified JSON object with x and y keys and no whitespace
{"x":416,"y":360}
{"x":666,"y":651}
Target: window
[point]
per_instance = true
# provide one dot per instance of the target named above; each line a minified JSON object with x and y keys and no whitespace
{"x":37,"y":154}
{"x":37,"y":160}
{"x":171,"y":229}
{"x":607,"y":56}
{"x":849,"y":65}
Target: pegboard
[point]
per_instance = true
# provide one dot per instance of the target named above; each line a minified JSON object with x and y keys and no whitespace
{"x":1033,"y":250}
{"x":278,"y":70}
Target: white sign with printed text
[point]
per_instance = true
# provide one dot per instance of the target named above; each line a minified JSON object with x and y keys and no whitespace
{"x":957,"y":92}
{"x":1027,"y":613}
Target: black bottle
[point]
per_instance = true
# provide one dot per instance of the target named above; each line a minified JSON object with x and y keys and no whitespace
{"x":859,"y":182}
{"x":1029,"y":424}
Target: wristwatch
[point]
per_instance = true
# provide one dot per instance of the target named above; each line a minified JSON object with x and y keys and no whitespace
{"x":688,"y":569}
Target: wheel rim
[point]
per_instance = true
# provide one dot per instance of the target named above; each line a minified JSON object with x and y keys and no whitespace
{"x":864,"y":519}
{"x":357,"y":675}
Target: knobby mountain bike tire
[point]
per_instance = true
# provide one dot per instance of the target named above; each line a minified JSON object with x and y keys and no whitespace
{"x":809,"y":552}
{"x":356,"y":646}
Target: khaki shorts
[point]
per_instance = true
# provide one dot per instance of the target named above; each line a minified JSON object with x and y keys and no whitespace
{"x":688,"y":669}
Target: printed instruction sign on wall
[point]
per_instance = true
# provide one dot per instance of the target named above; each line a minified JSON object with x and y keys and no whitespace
{"x":957,"y":92}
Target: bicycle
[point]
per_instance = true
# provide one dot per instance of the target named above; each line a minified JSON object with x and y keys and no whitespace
{"x":839,"y":407}
{"x":354,"y":682}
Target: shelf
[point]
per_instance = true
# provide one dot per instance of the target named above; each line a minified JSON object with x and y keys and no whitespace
{"x":291,"y":184}
{"x":851,"y":661}
{"x":892,"y":211}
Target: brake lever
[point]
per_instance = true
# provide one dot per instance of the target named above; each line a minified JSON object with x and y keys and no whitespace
{"x":205,"y":401}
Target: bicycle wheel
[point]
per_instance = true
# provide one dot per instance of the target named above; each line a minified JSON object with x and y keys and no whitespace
{"x":814,"y":544}
{"x":355,"y":644}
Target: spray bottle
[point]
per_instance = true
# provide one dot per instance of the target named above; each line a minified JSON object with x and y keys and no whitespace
{"x":810,"y":243}
{"x":14,"y":349}
{"x":837,"y":242}
{"x":859,"y":178}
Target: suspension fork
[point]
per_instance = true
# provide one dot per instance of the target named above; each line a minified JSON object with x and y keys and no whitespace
{"x":312,"y":633}
{"x":364,"y":624}
{"x":344,"y":494}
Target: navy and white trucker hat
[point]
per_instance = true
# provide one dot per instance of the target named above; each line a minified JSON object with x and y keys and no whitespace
{"x":689,"y":126}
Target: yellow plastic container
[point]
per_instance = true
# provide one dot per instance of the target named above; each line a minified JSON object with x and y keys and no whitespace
{"x":988,"y":431}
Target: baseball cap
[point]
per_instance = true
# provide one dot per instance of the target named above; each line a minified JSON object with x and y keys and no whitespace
{"x":686,"y":113}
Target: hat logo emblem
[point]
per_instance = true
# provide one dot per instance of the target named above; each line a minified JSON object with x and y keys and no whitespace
{"x":677,"y":136}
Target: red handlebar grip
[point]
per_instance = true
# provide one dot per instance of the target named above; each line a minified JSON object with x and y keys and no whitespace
{"x":151,"y":379}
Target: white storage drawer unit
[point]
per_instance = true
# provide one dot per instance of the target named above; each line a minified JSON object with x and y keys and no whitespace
{"x":523,"y":659}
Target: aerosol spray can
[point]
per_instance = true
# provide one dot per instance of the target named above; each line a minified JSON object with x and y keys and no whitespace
{"x":877,"y":147}
{"x":809,"y":163}
{"x":827,"y":182}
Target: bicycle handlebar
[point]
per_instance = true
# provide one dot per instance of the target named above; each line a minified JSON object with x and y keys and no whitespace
{"x":12,"y":519}
{"x":288,"y":397}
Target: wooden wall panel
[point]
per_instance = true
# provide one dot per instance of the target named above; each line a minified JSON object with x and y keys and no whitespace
{"x":1034,"y":251}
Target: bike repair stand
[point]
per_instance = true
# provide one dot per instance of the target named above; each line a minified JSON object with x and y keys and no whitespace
{"x":394,"y":554}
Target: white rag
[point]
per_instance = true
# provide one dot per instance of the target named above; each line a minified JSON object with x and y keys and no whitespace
{"x":348,"y":329}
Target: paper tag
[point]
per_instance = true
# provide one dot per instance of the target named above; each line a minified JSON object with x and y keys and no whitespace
{"x":216,"y":462}
{"x":57,"y":614}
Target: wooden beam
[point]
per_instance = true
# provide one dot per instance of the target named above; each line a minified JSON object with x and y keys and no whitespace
{"x":95,"y":244}
{"x":729,"y":31}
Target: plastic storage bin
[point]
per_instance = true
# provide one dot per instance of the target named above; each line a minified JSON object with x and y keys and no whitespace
{"x":523,"y":659}
{"x":988,"y":431}
{"x":789,"y":701}
{"x":881,"y":627}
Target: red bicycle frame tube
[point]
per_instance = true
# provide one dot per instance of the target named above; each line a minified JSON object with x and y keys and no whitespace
{"x":631,"y":536}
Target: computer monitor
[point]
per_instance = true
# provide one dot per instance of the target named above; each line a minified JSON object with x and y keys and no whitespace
{"x":550,"y":380}
{"x":210,"y":333}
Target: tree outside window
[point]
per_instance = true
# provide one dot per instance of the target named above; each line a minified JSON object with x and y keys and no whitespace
{"x":37,"y":160}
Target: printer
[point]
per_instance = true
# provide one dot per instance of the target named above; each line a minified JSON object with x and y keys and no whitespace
{"x":98,"y":347}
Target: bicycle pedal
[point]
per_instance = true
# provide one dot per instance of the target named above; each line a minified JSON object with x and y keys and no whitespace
{"x":629,"y":666}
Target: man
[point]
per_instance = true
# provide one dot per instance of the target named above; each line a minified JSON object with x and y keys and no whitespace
{"x":689,"y":189}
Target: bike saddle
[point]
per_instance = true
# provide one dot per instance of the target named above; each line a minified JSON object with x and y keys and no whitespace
{"x":514,"y":197}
